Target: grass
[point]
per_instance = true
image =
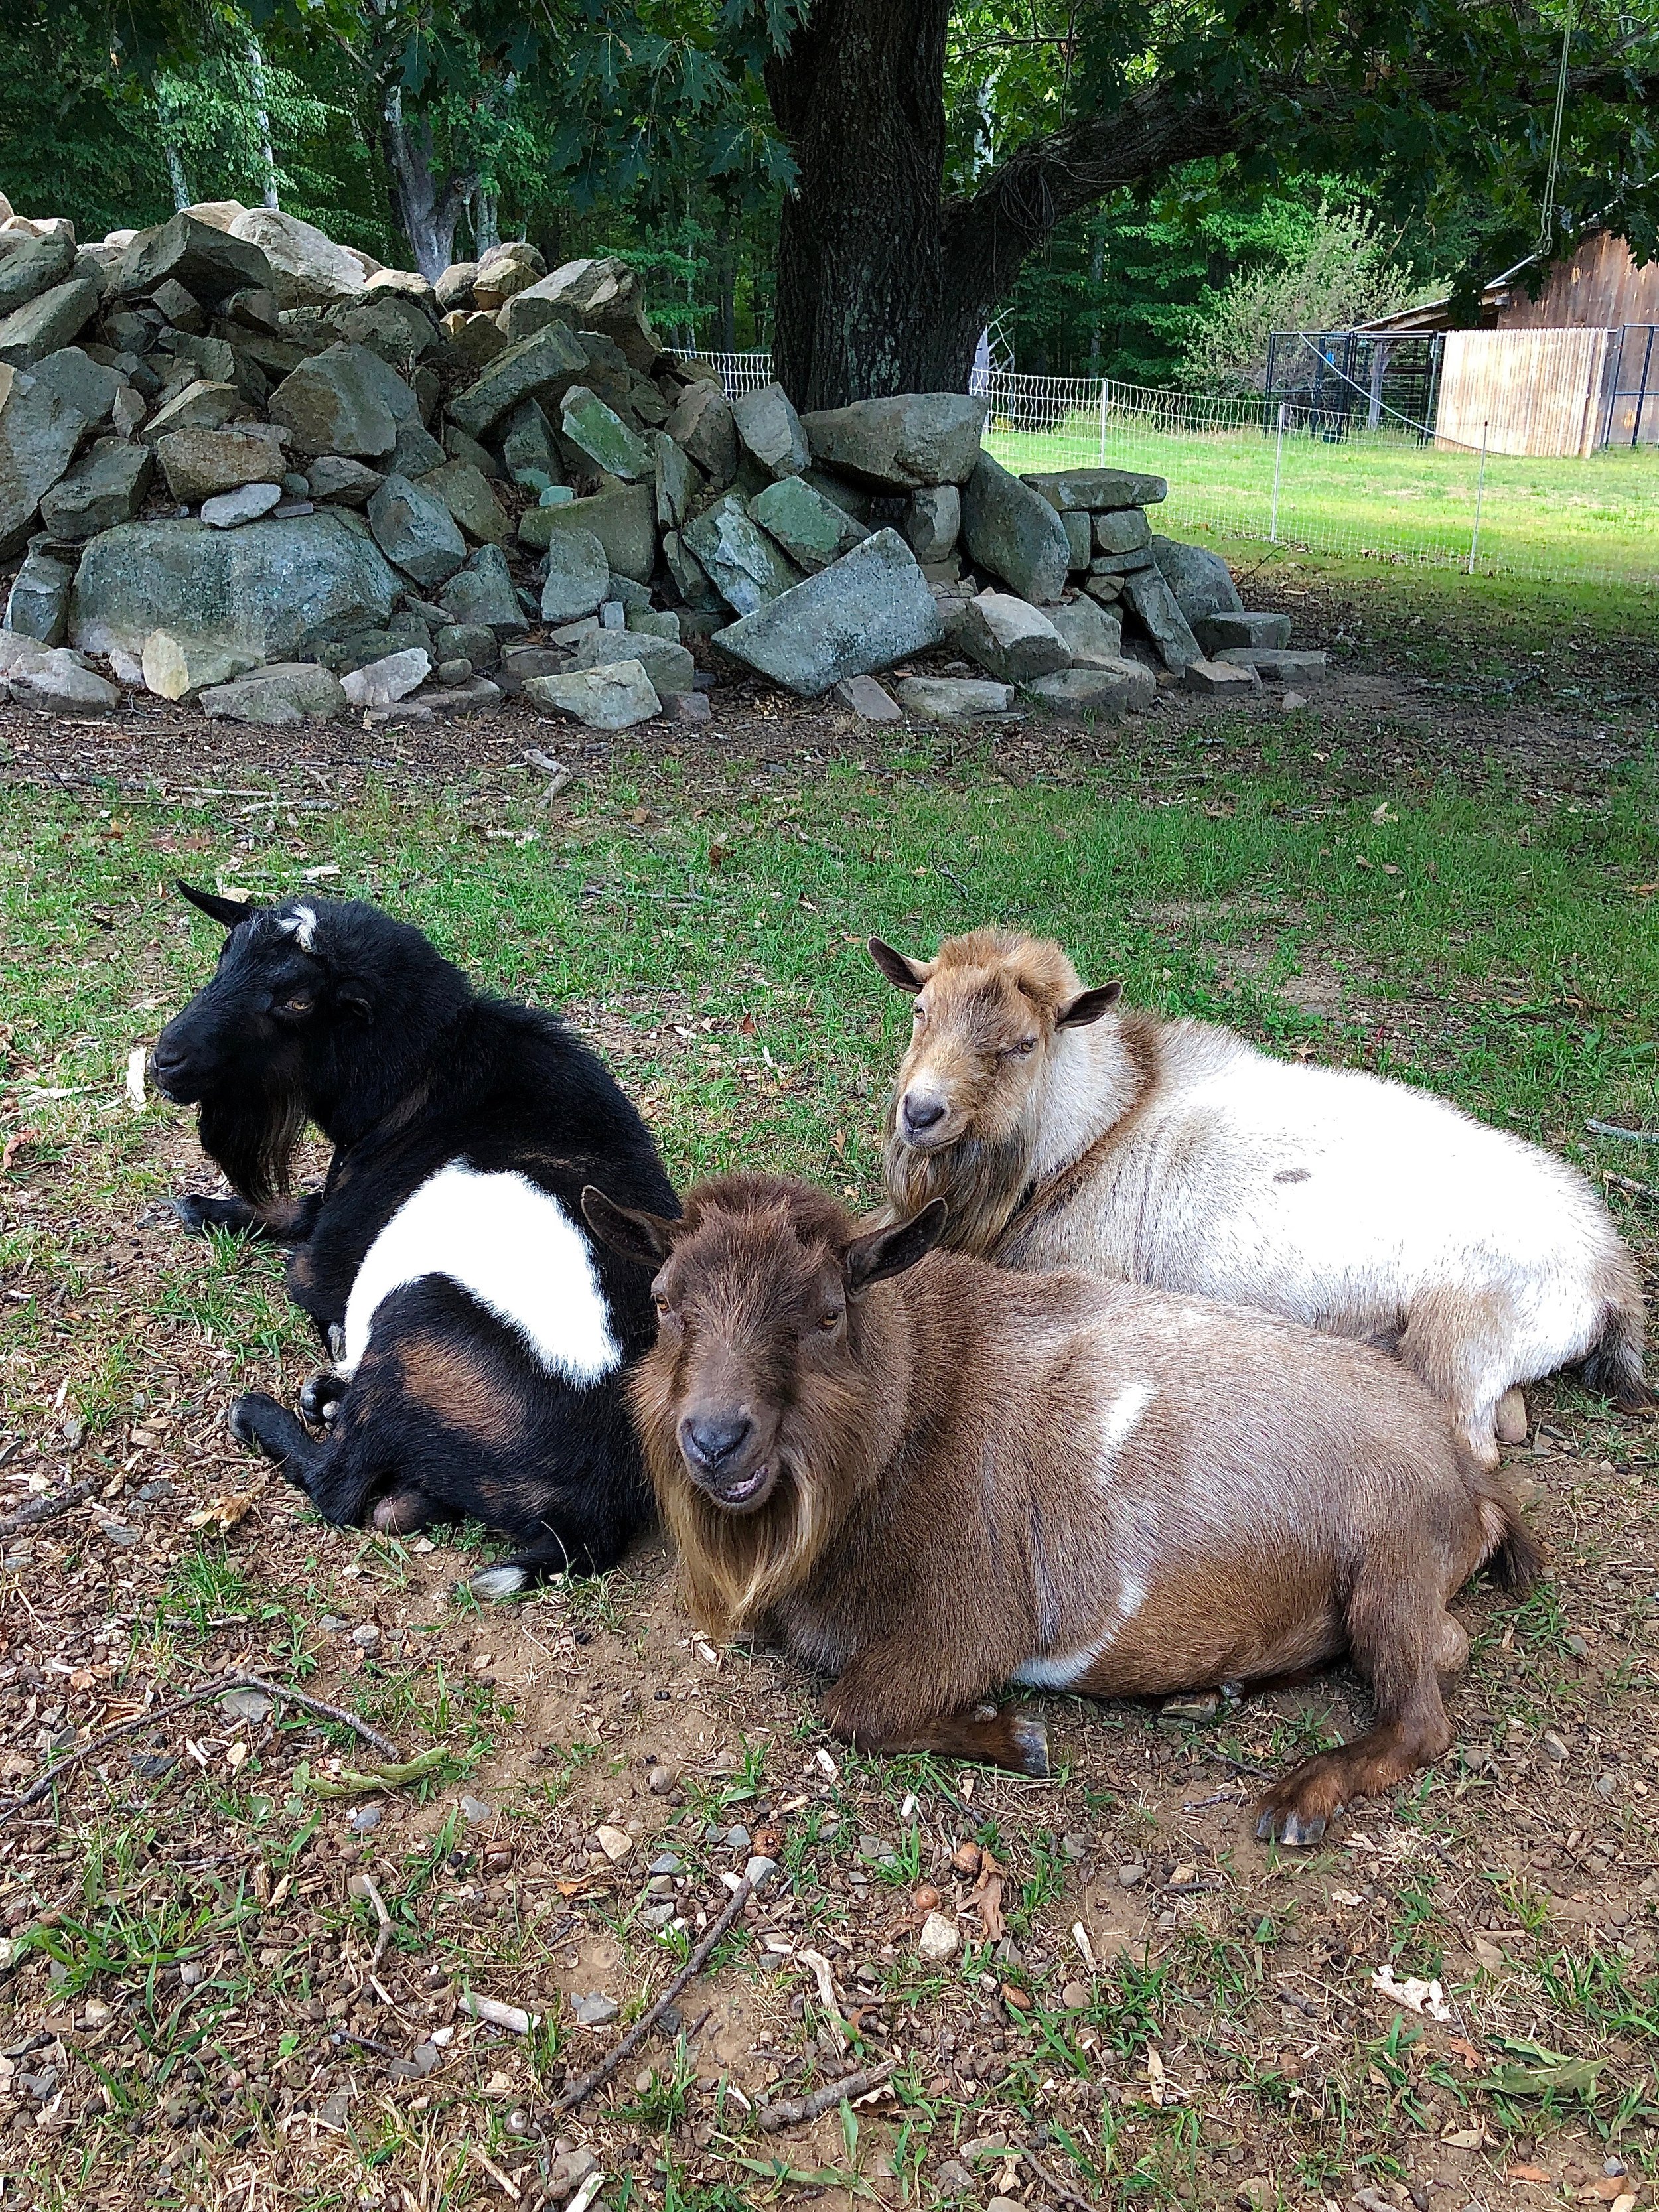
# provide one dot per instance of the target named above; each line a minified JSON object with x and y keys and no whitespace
{"x":704,"y":917}
{"x":1375,"y":495}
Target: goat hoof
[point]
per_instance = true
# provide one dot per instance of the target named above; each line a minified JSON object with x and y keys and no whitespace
{"x":240,"y":1420}
{"x":1030,"y":1744}
{"x":192,"y":1213}
{"x":1284,"y":1824}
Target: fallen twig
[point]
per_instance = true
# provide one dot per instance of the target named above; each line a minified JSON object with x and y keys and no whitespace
{"x":362,"y":1885}
{"x":1631,"y":1136}
{"x":791,"y":2111}
{"x":508,"y":2188}
{"x":579,"y":2092}
{"x":47,"y":1508}
{"x":1628,"y":1184}
{"x":235,"y":1678}
{"x":556,"y":769}
{"x":494,"y":2013}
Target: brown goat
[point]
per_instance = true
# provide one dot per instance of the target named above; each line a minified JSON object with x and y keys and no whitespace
{"x":932,"y":1480}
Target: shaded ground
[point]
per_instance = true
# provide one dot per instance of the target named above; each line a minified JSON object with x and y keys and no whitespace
{"x":1148,"y":2006}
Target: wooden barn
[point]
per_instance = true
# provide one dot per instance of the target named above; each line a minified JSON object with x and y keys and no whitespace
{"x":1565,"y":371}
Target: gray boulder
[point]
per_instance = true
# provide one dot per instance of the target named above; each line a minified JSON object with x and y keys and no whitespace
{"x":1015,"y":533}
{"x":1121,"y":530}
{"x":453,"y":290}
{"x":1215,"y":633}
{"x":415,"y":450}
{"x":600,"y":432}
{"x":1160,"y":616}
{"x":669,"y":665}
{"x":307,"y":269}
{"x":578,"y":576}
{"x":863,"y":696}
{"x":702,"y":425}
{"x":38,"y":434}
{"x":1079,"y":526}
{"x":281,"y":696}
{"x":201,"y":464}
{"x":483,"y":594}
{"x":610,"y":698}
{"x":465,"y":493}
{"x":933,"y":521}
{"x":271,"y":590}
{"x":1010,"y":639}
{"x":47,"y":322}
{"x":34,"y":266}
{"x":769,"y":430}
{"x":345,"y":400}
{"x":1278,"y":665}
{"x":37,"y":605}
{"x":383,"y":683}
{"x":541,"y":367}
{"x":899,"y":443}
{"x":1094,"y":489}
{"x":528,"y":453}
{"x":1221,"y":679}
{"x":415,"y":530}
{"x":623,"y":520}
{"x":199,"y":406}
{"x":88,"y":385}
{"x":1119,"y":688}
{"x":1090,"y":635}
{"x":603,"y":296}
{"x":180,"y":667}
{"x":690,"y":577}
{"x":336,"y":476}
{"x":230,"y":509}
{"x":396,"y":328}
{"x":106,"y":486}
{"x":56,"y":681}
{"x":742,"y":565}
{"x":675,"y":477}
{"x":208,"y":262}
{"x":954,"y":698}
{"x":866,"y":611}
{"x":469,"y":641}
{"x":812,"y":529}
{"x":1201,"y":580}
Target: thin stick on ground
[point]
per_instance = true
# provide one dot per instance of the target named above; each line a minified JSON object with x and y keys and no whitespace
{"x":47,"y":1508}
{"x":1052,"y":2181}
{"x":791,"y":2111}
{"x":579,"y":2092}
{"x":234,"y":1678}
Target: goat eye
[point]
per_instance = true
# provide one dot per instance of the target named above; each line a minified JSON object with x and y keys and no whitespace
{"x":1026,"y":1045}
{"x":830,"y":1320}
{"x":298,"y":1004}
{"x":661,"y":1305}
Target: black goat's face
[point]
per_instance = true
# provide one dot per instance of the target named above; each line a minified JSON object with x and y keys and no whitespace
{"x":247,"y":1027}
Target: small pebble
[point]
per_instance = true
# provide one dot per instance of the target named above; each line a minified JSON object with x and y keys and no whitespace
{"x":736,"y":1839}
{"x":939,"y":1939}
{"x":760,"y":1869}
{"x":1076,"y":1995}
{"x":1578,"y":1646}
{"x":192,"y":1973}
{"x":594,"y":2009}
{"x":1131,"y":1877}
{"x":665,"y":1862}
{"x":475,"y":1809}
{"x":365,"y":1818}
{"x":454,"y":673}
{"x":1074,"y":1846}
{"x":1552,"y":1746}
{"x":365,"y":1636}
{"x":614,"y":1843}
{"x":662,"y":1781}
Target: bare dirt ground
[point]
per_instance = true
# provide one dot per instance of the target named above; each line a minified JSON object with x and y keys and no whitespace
{"x":201,"y":2005}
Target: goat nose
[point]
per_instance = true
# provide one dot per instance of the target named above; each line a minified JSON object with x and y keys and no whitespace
{"x":923,"y":1113}
{"x":709,"y":1440}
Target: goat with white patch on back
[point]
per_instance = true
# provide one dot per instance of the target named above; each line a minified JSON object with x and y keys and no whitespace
{"x":480,"y":1335}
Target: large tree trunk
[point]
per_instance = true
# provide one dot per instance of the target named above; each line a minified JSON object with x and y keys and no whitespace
{"x":256,"y":73}
{"x":427,"y":211}
{"x":862,"y":309}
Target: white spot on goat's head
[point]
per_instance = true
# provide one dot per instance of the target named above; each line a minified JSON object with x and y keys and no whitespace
{"x":302,"y":927}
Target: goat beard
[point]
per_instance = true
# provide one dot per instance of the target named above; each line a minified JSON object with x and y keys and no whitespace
{"x":252,"y":1137}
{"x":736,"y":1569}
{"x":981,"y":1181}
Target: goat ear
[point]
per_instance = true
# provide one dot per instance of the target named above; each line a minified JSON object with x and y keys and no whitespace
{"x":891,"y":1251}
{"x":1088,"y":1006}
{"x":355,"y":1000}
{"x":635,"y":1235}
{"x":903,"y":974}
{"x":226,"y":912}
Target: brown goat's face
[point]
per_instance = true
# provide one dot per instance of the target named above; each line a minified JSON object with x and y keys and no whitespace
{"x":986,"y":1014}
{"x":755,"y":1369}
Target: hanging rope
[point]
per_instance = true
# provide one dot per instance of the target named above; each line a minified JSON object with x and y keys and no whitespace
{"x":1546,"y":217}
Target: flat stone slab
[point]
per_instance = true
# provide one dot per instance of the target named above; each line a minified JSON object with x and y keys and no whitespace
{"x":1012,"y":641}
{"x":1221,"y":679}
{"x":1092,"y":636}
{"x":578,"y":576}
{"x":742,"y":563}
{"x":1096,"y":488}
{"x":900,"y":443}
{"x":202,"y":464}
{"x":601,"y":433}
{"x":611,"y":698}
{"x":623,"y":520}
{"x":56,"y":681}
{"x":246,"y":504}
{"x":1128,"y":687}
{"x":1121,"y":530}
{"x":863,"y":696}
{"x":541,"y":367}
{"x":383,"y":682}
{"x":669,"y":665}
{"x":1215,"y":633}
{"x":866,"y":611}
{"x":770,"y":430}
{"x":954,"y":698}
{"x":1155,"y":604}
{"x":811,"y":530}
{"x":1278,"y":665}
{"x":279,"y":697}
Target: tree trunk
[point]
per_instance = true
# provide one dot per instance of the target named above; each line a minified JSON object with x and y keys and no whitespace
{"x":486,"y":222}
{"x":427,"y":211}
{"x":862,"y":309}
{"x":256,"y":71}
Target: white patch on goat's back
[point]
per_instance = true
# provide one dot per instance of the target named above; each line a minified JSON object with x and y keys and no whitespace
{"x":1119,"y":1420}
{"x":509,"y":1245}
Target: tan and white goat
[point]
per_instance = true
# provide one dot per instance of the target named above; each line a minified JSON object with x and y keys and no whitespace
{"x":931,"y":1477}
{"x":1065,"y":1132}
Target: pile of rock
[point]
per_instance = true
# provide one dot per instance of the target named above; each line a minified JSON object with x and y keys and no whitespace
{"x":246,"y":466}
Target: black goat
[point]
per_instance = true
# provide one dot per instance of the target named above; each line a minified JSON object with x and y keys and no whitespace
{"x":480,"y":1336}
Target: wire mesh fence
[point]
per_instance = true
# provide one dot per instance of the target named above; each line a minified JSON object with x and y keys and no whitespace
{"x":1285,"y":473}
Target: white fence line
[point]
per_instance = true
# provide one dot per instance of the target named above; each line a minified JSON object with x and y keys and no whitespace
{"x":1313,"y":478}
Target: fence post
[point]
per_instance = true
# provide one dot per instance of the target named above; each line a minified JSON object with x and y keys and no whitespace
{"x":1278,"y":462}
{"x":1480,"y":493}
{"x":1103,"y":422}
